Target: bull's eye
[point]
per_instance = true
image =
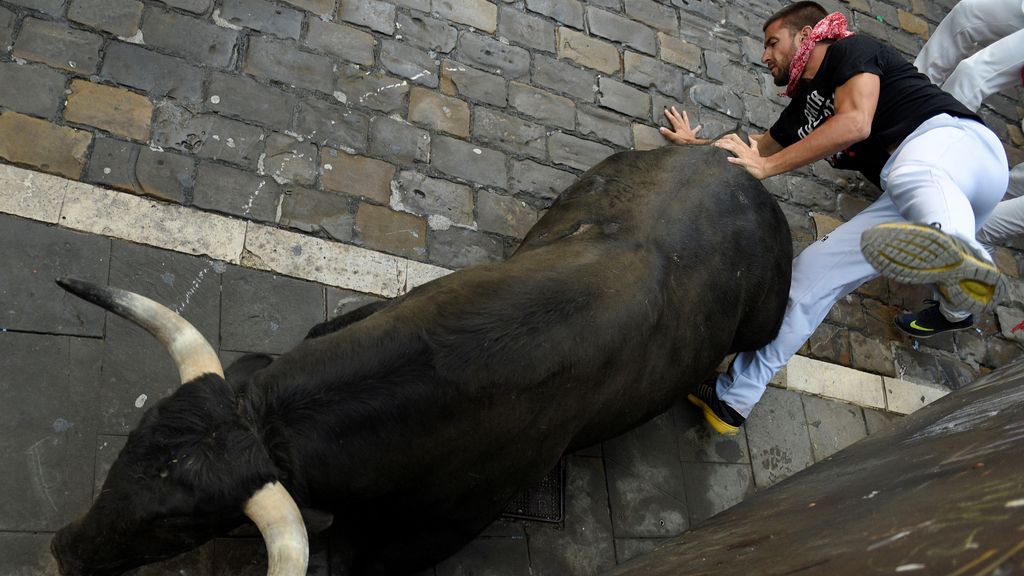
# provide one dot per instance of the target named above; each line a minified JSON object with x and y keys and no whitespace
{"x":163,"y":473}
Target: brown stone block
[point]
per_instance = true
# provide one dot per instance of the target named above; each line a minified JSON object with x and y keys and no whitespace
{"x":115,"y":110}
{"x":356,"y":175}
{"x":1006,"y":262}
{"x":381,"y":228}
{"x":444,"y":113}
{"x":588,"y":51}
{"x":50,"y":148}
{"x":913,"y":24}
{"x":872,"y":355}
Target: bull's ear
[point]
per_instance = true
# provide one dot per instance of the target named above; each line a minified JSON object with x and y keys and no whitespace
{"x":316,"y":520}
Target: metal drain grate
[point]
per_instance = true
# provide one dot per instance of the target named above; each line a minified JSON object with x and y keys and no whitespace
{"x":543,"y":501}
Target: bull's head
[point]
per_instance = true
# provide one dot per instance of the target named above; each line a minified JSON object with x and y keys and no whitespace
{"x":191,"y":470}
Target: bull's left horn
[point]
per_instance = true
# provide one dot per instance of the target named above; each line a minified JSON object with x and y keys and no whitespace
{"x":192,"y":354}
{"x":274,"y":512}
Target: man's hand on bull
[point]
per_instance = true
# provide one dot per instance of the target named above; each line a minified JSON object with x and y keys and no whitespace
{"x":746,"y":155}
{"x":681,"y":132}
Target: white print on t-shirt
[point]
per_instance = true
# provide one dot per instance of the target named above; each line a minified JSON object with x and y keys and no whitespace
{"x":817,"y":110}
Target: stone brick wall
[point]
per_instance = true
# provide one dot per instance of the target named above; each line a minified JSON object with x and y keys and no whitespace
{"x":438,"y":130}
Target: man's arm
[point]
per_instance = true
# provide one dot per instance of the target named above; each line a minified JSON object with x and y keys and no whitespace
{"x":856,"y":101}
{"x":766,"y":145}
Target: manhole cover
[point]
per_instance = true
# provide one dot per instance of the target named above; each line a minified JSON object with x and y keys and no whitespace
{"x":543,"y":501}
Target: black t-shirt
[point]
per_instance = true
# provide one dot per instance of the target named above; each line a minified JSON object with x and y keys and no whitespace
{"x":906,"y":99}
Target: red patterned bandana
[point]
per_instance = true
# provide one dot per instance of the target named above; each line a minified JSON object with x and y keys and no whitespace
{"x":831,"y":27}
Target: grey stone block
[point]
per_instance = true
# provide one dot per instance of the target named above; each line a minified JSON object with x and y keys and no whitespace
{"x":288,"y":160}
{"x":563,"y":77}
{"x":137,"y":370}
{"x":628,"y":548}
{"x":491,"y":556}
{"x":263,"y":16}
{"x":398,"y":141}
{"x":619,"y":29}
{"x":377,"y":91}
{"x":605,"y":125}
{"x":622,"y":98}
{"x":509,"y":133}
{"x":248,"y":99}
{"x":341,"y":302}
{"x":721,"y":69}
{"x":539,"y":181}
{"x":761,"y":112}
{"x":236,"y":192}
{"x":491,"y":55}
{"x":806,"y":192}
{"x":285,"y":63}
{"x":323,"y":8}
{"x":317,"y":211}
{"x":546,"y":107}
{"x":207,"y":135}
{"x":464,"y":160}
{"x":699,"y":443}
{"x":778,"y":437}
{"x":645,"y":481}
{"x":112,"y":163}
{"x":650,"y":72}
{"x":156,"y":74}
{"x":459,"y":247}
{"x":345,"y":42}
{"x":58,"y":46}
{"x":118,"y":17}
{"x":51,"y":7}
{"x":458,"y":79}
{"x":718,"y":98}
{"x":267,"y":313}
{"x":425,"y":32}
{"x":714,"y":487}
{"x":194,"y":6}
{"x":165,"y":175}
{"x":504,"y":215}
{"x":576,"y":152}
{"x":30,"y":89}
{"x":334,"y":126}
{"x":425,"y":196}
{"x":36,"y":254}
{"x":878,"y":421}
{"x":409,"y":62}
{"x":832,"y":425}
{"x":568,"y":12}
{"x":373,"y":14}
{"x":657,"y":15}
{"x":27,"y":554}
{"x":191,"y":38}
{"x":7,"y":19}
{"x":528,"y":31}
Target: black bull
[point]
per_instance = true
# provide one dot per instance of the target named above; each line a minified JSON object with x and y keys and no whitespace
{"x":414,"y":421}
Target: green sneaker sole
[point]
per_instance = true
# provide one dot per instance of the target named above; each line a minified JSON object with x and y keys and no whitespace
{"x":918,"y":254}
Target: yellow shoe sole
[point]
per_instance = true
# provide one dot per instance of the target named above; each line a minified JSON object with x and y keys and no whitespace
{"x":719,"y":425}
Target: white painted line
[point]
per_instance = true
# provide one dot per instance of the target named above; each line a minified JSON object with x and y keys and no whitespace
{"x":905,"y":397}
{"x":33,"y":195}
{"x":834,"y":381}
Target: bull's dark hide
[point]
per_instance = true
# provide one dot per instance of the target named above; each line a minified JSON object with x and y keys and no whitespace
{"x":415,"y":420}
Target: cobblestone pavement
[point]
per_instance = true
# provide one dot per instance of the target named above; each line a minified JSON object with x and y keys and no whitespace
{"x":433,"y":130}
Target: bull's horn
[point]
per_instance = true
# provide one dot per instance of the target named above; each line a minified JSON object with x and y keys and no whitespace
{"x":274,"y":512}
{"x":192,"y":354}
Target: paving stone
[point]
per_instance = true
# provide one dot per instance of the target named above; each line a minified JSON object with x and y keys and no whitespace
{"x":457,"y":79}
{"x":829,"y":343}
{"x":373,"y":14}
{"x":165,"y":175}
{"x":647,"y":137}
{"x":490,"y":556}
{"x":267,"y":313}
{"x":283,"y":62}
{"x":112,"y":163}
{"x":345,"y":42}
{"x":377,"y":91}
{"x":194,"y":6}
{"x":425,"y":32}
{"x":51,"y":7}
{"x":871,"y":355}
{"x":546,"y":107}
{"x":879,"y":421}
{"x":27,"y":554}
{"x":491,"y":55}
{"x":341,"y":302}
{"x":318,"y":211}
{"x":645,"y":481}
{"x":439,"y":112}
{"x":329,"y":125}
{"x":248,"y":99}
{"x":509,"y":133}
{"x":464,"y":160}
{"x":7,"y":19}
{"x":44,"y":146}
{"x":628,"y":548}
{"x":118,"y":17}
{"x":323,"y":8}
{"x":58,"y":46}
{"x":190,"y":38}
{"x":563,"y":77}
{"x":357,"y":176}
{"x":137,"y":370}
{"x":619,"y":29}
{"x":721,"y":69}
{"x":714,"y":487}
{"x":263,"y":16}
{"x":207,"y":135}
{"x":118,"y":111}
{"x":679,"y":52}
{"x":576,"y":152}
{"x":832,"y":425}
{"x":649,"y":72}
{"x":154,"y":73}
{"x":380,"y":228}
{"x":587,"y":51}
{"x":905,"y":397}
{"x":236,"y":192}
{"x":585,"y":544}
{"x":698,"y":443}
{"x":718,"y":98}
{"x":654,"y":14}
{"x":34,"y":255}
{"x":778,"y":437}
{"x":433,"y":198}
{"x":913,"y":24}
{"x":528,"y":31}
{"x":399,"y":141}
{"x":868,"y":25}
{"x":421,"y":5}
{"x":460,"y":248}
{"x":504,"y":214}
{"x":622,"y":98}
{"x":569,"y":12}
{"x":30,"y":89}
{"x":761,"y":113}
{"x":289,"y":161}
{"x":409,"y":62}
{"x":537,"y":180}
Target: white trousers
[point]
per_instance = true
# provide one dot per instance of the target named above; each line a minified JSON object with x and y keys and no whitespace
{"x":1007,"y":220}
{"x":998,"y":25}
{"x":950,"y":171}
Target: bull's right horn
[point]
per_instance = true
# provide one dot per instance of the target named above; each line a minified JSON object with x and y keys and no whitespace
{"x":274,"y":512}
{"x":192,"y":354}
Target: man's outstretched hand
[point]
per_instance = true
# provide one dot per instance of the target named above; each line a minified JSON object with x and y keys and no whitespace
{"x":681,"y":132}
{"x":746,"y":155}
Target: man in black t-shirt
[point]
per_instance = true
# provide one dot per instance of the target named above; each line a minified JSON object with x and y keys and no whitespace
{"x":858,"y":104}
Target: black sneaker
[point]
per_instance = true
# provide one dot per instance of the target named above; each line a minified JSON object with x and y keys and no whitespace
{"x":930,"y":321}
{"x":719,"y":415}
{"x":919,"y":254}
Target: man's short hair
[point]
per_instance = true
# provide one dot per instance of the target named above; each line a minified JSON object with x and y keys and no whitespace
{"x":797,"y":15}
